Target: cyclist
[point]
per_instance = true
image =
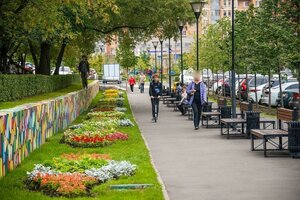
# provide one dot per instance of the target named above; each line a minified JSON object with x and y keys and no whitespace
{"x":155,"y":92}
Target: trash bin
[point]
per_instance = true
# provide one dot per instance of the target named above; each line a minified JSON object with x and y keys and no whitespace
{"x":225,"y":111}
{"x":294,"y":139}
{"x":252,"y":119}
{"x":207,"y":107}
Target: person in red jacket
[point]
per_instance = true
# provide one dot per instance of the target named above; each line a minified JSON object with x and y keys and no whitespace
{"x":131,"y":82}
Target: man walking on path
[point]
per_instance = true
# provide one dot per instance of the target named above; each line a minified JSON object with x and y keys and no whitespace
{"x":142,"y":82}
{"x":84,"y":70}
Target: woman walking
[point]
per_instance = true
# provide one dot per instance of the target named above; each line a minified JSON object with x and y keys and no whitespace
{"x":197,"y":93}
{"x":131,"y":82}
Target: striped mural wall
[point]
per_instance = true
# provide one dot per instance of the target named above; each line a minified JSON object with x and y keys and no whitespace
{"x":25,"y":128}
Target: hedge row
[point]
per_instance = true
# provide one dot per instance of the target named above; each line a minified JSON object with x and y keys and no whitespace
{"x":14,"y":87}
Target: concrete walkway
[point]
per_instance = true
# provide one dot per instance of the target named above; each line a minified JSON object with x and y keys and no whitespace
{"x":201,"y":165}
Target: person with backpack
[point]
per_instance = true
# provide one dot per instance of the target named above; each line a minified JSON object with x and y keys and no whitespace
{"x":155,"y":92}
{"x":197,"y":97}
{"x":84,"y":70}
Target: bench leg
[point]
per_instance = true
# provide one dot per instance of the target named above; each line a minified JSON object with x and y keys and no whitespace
{"x":252,"y":142}
{"x":206,"y":122}
{"x":221,"y":129}
{"x":265,"y":146}
{"x":228,"y":127}
{"x":280,"y":143}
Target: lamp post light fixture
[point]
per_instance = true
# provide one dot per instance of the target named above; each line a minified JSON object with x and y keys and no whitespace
{"x":161,"y":60}
{"x":197,"y":8}
{"x":155,"y":44}
{"x":180,"y":24}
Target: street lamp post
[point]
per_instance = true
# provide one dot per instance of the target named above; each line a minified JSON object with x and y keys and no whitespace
{"x":233,"y":95}
{"x":155,"y":44}
{"x":197,"y":8}
{"x":170,"y":51}
{"x":161,"y":60}
{"x":180,"y":26}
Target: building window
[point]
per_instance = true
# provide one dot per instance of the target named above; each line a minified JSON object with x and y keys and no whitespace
{"x":224,"y":2}
{"x":246,"y":4}
{"x":217,"y":12}
{"x":225,"y":14}
{"x":229,"y":13}
{"x":229,"y":2}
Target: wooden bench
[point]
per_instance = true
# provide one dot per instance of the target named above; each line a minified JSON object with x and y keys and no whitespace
{"x":213,"y":116}
{"x":176,"y":103}
{"x":227,"y":123}
{"x":268,"y":135}
{"x":170,"y":101}
{"x":248,"y":107}
{"x":164,"y":99}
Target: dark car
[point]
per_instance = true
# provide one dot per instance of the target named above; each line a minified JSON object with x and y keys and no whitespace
{"x":290,"y":98}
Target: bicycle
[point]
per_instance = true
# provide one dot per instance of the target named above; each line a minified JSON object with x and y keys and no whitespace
{"x":156,"y":100}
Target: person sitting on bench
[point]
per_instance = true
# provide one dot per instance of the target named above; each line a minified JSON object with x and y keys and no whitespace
{"x":183,"y":102}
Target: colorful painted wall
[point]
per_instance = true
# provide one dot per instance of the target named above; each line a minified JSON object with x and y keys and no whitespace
{"x":25,"y":128}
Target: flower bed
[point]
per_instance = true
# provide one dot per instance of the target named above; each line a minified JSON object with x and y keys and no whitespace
{"x":108,"y":115}
{"x":112,"y":102}
{"x":59,"y":177}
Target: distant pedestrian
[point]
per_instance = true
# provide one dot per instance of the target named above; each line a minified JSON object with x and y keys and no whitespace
{"x":84,"y":70}
{"x":142,"y":82}
{"x":131,"y":82}
{"x":197,"y":93}
{"x":183,"y":102}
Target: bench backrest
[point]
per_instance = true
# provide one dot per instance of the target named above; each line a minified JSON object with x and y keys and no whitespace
{"x":286,"y":115}
{"x":245,"y":106}
{"x":221,"y":102}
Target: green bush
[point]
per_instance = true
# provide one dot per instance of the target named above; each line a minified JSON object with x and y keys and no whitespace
{"x":14,"y":87}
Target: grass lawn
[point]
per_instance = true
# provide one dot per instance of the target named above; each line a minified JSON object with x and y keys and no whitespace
{"x":133,"y":150}
{"x":41,"y":97}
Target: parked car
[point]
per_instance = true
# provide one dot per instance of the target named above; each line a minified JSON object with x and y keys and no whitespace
{"x":290,"y":98}
{"x":261,"y":81}
{"x":64,"y":70}
{"x":252,"y":96}
{"x":275,"y":91}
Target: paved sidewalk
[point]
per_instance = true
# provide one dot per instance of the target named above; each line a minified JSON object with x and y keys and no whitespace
{"x":202,"y":165}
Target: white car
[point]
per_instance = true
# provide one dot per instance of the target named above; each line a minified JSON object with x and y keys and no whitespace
{"x":275,"y":91}
{"x":251,"y":94}
{"x":64,"y":70}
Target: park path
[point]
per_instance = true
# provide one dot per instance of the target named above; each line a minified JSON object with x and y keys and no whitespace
{"x":201,"y":165}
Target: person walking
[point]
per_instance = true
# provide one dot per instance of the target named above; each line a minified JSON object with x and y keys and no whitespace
{"x":84,"y":70}
{"x":197,"y":93}
{"x":142,"y":82}
{"x":131,"y":82}
{"x":155,"y":91}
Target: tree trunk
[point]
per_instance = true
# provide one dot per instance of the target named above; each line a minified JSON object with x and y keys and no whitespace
{"x":247,"y":86}
{"x":239,"y":88}
{"x":299,"y":88}
{"x":60,"y":56}
{"x":223,"y":86}
{"x":207,"y":82}
{"x":255,"y":89}
{"x":44,"y":66}
{"x":280,"y":87}
{"x":33,"y":54}
{"x":269,"y":89}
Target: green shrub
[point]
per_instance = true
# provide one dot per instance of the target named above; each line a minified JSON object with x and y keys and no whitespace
{"x":14,"y":87}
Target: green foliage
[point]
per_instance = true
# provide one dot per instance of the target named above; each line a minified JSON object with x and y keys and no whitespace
{"x":66,"y":165}
{"x":96,"y":62}
{"x":14,"y":87}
